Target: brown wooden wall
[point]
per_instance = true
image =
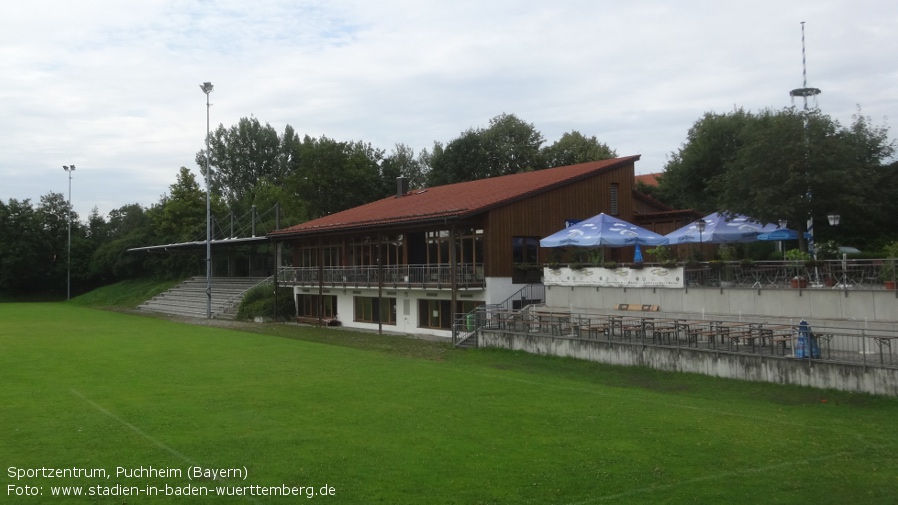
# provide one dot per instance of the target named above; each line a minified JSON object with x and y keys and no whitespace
{"x":544,"y":214}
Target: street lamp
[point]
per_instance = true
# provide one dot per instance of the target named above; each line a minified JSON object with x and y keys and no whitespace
{"x":783,"y":223}
{"x":68,"y":295}
{"x":701,"y":228}
{"x":207,"y":88}
{"x":834,"y":221}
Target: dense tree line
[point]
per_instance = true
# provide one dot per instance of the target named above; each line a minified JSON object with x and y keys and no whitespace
{"x":761,"y":164}
{"x":253,"y":167}
{"x":789,"y":165}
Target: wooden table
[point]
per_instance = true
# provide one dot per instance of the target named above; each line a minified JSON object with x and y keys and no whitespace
{"x":662,"y":329}
{"x":600,"y":325}
{"x":692,"y":330}
{"x":884,"y":342}
{"x":778,"y":334}
{"x":732,"y":332}
{"x":554,"y":322}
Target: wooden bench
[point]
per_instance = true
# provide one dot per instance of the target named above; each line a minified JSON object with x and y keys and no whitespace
{"x":325,"y":321}
{"x":635,"y":307}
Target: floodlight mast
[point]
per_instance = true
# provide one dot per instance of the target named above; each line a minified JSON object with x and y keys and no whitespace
{"x":68,"y":295}
{"x":207,"y":88}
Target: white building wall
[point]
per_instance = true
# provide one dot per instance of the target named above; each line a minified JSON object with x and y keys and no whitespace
{"x":497,"y":290}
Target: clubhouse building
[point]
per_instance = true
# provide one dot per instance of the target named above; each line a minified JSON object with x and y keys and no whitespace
{"x":412,"y":262}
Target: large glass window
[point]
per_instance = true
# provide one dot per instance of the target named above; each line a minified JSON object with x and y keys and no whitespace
{"x":308,"y":256}
{"x":437,"y":247}
{"x":470,"y":247}
{"x":308,"y":305}
{"x":438,"y":314}
{"x":525,"y":250}
{"x":367,"y":308}
{"x":364,"y":251}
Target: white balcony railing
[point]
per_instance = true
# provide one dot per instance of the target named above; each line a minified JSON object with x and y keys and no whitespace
{"x":468,"y":276}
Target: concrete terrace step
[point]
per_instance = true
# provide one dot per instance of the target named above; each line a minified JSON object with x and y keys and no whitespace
{"x":189,"y":297}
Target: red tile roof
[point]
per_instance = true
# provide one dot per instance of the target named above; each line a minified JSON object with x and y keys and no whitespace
{"x":649,"y":179}
{"x":453,"y":200}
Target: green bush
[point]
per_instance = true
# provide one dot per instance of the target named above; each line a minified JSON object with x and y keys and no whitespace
{"x":259,"y":302}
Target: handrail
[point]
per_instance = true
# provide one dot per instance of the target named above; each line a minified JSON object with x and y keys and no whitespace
{"x":461,"y":323}
{"x":225,"y":305}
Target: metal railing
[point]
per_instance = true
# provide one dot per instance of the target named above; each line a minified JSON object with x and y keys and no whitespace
{"x":396,"y":276}
{"x":832,"y":343}
{"x":465,"y":325}
{"x":829,"y":274}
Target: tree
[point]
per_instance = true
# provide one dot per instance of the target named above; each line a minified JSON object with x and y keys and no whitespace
{"x":240,"y":156}
{"x":55,"y":215}
{"x":573,"y":148}
{"x":182,"y":213}
{"x":23,"y":262}
{"x":128,"y":227}
{"x":786,"y":165}
{"x":512,"y":146}
{"x":508,"y":146}
{"x":403,"y":162}
{"x":331,"y":176}
{"x":793,"y":165}
{"x":710,"y":143}
{"x":462,"y":159}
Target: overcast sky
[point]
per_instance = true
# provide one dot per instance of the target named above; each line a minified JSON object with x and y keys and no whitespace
{"x":113,"y":86}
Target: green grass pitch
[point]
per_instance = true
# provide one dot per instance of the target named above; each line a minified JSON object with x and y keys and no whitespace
{"x":173,"y":413}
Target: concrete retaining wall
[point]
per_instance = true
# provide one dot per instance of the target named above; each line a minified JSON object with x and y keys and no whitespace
{"x":818,"y":374}
{"x":831,"y":304}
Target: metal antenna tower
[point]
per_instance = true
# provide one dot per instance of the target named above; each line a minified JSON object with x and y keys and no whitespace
{"x":804,"y":91}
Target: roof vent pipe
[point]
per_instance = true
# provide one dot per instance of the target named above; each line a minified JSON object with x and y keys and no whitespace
{"x":401,"y":186}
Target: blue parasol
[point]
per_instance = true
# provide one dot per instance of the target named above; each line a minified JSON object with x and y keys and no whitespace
{"x":603,"y":230}
{"x":720,"y":229}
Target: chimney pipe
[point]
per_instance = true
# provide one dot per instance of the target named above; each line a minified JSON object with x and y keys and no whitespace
{"x":401,"y":186}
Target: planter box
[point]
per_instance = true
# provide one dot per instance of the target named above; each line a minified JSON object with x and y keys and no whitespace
{"x":798,"y":283}
{"x":617,"y":277}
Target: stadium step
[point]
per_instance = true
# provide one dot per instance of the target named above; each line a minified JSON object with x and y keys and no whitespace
{"x":189,"y":297}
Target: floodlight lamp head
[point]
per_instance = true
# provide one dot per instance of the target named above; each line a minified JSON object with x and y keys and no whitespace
{"x":68,"y":168}
{"x":206,"y":87}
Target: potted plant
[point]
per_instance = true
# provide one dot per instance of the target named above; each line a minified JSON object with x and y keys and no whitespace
{"x":798,"y":258}
{"x":887,"y":272}
{"x":663,"y":255}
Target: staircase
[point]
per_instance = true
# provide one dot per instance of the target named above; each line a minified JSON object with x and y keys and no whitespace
{"x":189,"y":297}
{"x":466,"y":326}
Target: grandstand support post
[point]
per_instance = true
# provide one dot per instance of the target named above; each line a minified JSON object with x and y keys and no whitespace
{"x":380,"y":283}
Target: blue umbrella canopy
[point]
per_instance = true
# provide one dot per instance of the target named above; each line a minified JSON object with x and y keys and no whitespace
{"x":603,"y":230}
{"x":781,"y":234}
{"x":720,"y":229}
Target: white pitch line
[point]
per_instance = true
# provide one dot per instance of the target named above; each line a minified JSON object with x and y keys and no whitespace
{"x":143,"y":434}
{"x":721,"y":475}
{"x":784,"y":422}
{"x":135,"y":429}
